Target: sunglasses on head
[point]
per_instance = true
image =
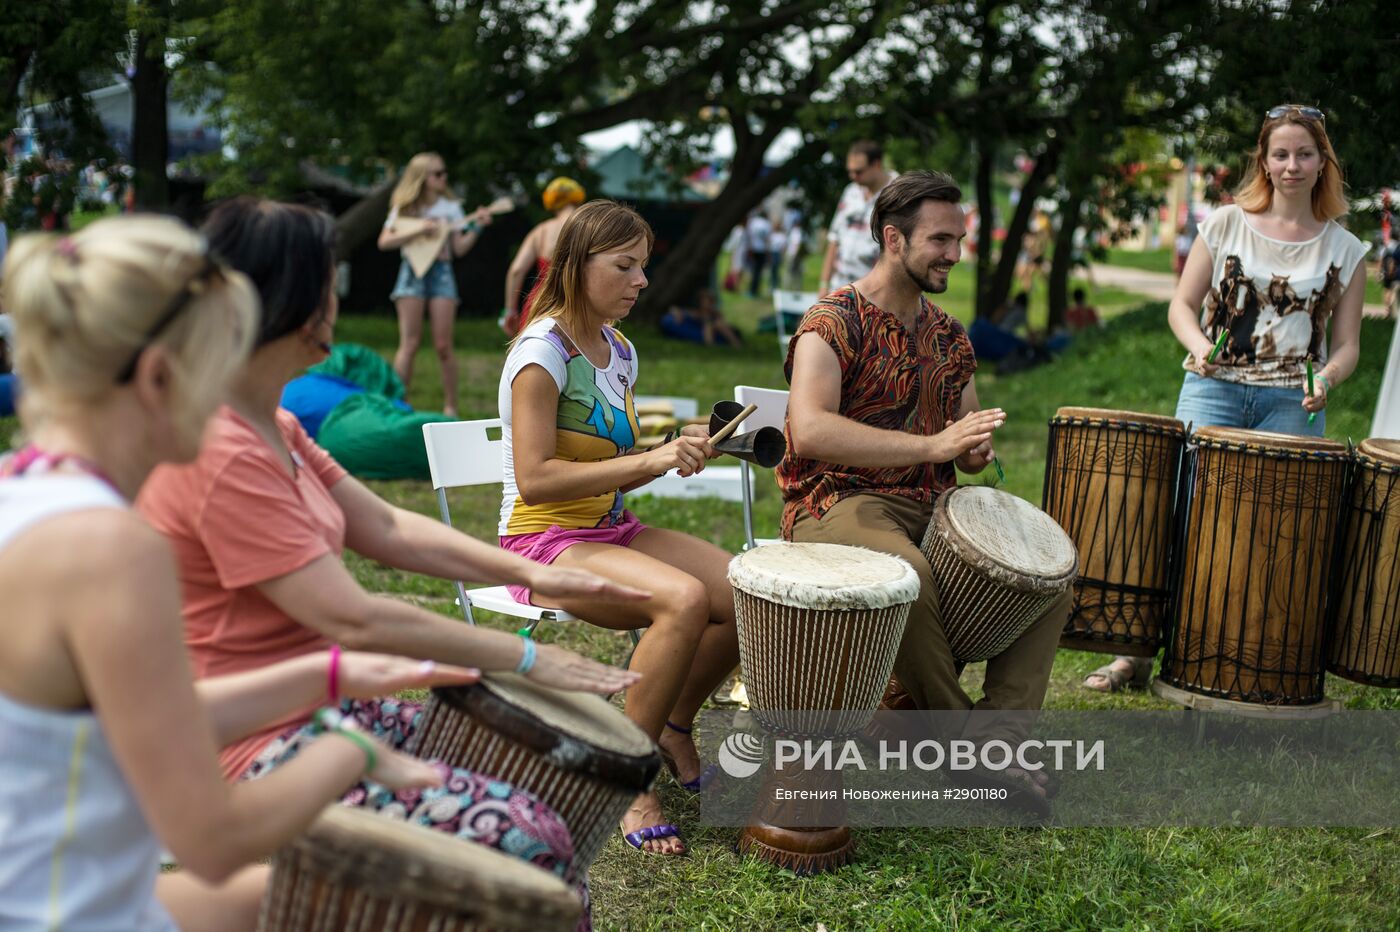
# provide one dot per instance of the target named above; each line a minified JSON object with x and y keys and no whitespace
{"x":210,"y":268}
{"x":1311,"y":113}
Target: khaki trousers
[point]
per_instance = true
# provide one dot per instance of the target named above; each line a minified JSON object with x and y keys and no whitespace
{"x":1016,"y":678}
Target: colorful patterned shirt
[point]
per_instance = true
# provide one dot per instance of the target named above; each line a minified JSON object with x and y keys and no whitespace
{"x":888,"y":380}
{"x":597,"y":421}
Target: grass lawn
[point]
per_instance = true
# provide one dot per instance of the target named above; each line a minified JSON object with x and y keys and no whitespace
{"x":1151,"y":260}
{"x":966,"y":879}
{"x":981,"y":878}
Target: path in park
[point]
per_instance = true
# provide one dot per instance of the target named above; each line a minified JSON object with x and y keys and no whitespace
{"x":1159,"y":286}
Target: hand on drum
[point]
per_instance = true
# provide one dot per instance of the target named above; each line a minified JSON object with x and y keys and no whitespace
{"x":400,"y":771}
{"x":563,"y":669}
{"x":976,"y":459}
{"x":686,"y":453}
{"x":970,"y":433}
{"x":366,"y":676}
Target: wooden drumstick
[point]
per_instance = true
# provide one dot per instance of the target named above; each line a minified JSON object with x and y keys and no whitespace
{"x":723,"y":433}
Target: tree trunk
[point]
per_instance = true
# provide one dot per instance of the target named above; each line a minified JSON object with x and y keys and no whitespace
{"x":1062,"y":264}
{"x":1020,"y":222}
{"x":150,"y":131}
{"x":362,"y":220}
{"x":986,"y":227}
{"x":692,"y":259}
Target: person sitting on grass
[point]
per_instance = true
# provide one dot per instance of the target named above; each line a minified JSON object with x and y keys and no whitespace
{"x":1081,"y":315}
{"x":129,"y":334}
{"x":701,"y":324}
{"x":568,"y":427}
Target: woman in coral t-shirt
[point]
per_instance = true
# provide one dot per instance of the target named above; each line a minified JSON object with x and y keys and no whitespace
{"x":259,"y":521}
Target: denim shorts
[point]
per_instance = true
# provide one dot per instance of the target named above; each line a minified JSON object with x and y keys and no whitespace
{"x":438,"y":283}
{"x":1217,"y":403}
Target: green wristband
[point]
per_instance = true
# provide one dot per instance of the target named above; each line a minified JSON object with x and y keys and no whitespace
{"x":1326,"y":385}
{"x":364,"y":744}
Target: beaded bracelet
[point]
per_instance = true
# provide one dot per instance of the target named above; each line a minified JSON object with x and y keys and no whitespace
{"x":527,"y":658}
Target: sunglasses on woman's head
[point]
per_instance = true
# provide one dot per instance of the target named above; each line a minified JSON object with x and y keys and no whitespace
{"x":1312,"y":113}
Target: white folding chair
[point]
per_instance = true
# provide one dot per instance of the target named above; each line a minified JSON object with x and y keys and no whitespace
{"x":462,"y":453}
{"x":772,"y":411}
{"x":790,"y":302}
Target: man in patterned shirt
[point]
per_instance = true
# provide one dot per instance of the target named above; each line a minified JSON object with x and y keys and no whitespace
{"x":883,"y":405}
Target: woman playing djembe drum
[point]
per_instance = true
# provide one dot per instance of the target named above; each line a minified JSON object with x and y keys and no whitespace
{"x":569,"y":421}
{"x":1263,"y":279}
{"x":129,"y":335}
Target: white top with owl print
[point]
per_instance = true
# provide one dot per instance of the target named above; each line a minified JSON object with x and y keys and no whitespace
{"x":1274,"y":297}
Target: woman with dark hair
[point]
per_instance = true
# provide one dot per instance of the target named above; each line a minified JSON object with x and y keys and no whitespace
{"x":569,"y":425}
{"x":1264,"y":278}
{"x":258,"y":523}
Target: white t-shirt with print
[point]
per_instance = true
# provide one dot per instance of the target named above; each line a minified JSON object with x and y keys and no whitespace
{"x":856,"y":250}
{"x":1275,"y":297}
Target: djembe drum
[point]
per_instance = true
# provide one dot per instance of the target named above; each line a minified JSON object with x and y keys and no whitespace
{"x":355,"y":870}
{"x":999,"y":563}
{"x":1365,"y":643}
{"x":1259,"y":526}
{"x":578,"y":754}
{"x":1110,"y":481}
{"x":819,"y":627}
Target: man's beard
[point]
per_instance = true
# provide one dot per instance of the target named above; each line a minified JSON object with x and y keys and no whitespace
{"x":923,"y":283}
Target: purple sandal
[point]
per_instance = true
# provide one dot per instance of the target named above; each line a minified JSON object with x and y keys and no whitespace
{"x":651,"y":833}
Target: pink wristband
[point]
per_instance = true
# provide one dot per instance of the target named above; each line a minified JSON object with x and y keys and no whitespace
{"x":333,"y":675}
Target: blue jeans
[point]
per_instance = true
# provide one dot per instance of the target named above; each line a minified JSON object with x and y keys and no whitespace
{"x":439,"y":282}
{"x":1216,"y":403}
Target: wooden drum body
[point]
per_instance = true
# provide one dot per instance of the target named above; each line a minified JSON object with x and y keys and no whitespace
{"x":1260,"y":518}
{"x":354,"y":870}
{"x":999,"y":562}
{"x":577,"y":753}
{"x":1365,"y":643}
{"x":819,"y":628}
{"x":1110,"y":482}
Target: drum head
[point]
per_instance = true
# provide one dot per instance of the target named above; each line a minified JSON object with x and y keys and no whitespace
{"x":1009,"y":532}
{"x":575,"y":731}
{"x":391,"y":859}
{"x":1385,"y":451}
{"x":1159,"y":421}
{"x":1263,"y":440}
{"x":824,"y":576}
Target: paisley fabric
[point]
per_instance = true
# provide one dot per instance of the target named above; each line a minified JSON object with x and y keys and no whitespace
{"x":890,"y":379}
{"x":469,"y":805}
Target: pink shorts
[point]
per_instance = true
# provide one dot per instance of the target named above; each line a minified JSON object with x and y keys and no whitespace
{"x":545,"y":546}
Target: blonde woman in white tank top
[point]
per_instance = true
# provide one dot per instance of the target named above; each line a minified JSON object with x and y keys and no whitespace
{"x":128,"y":334}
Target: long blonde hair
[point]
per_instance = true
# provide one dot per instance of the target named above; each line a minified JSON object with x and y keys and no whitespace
{"x":1256,"y":193}
{"x":84,"y":306}
{"x":408,"y":193}
{"x":596,"y":227}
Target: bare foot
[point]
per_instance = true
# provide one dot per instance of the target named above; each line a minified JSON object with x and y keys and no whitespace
{"x":644,"y":812}
{"x":1121,"y":673}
